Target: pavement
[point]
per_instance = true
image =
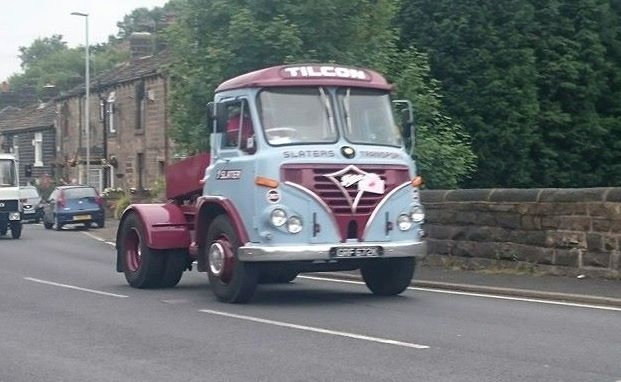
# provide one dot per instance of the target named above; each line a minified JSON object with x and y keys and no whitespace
{"x":584,"y":290}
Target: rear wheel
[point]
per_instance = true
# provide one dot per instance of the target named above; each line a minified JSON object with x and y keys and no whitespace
{"x":230,"y":280}
{"x":175,"y":263}
{"x":57,"y":225}
{"x":388,"y":277}
{"x":142,"y":265}
{"x":101,"y":223}
{"x":46,"y":224}
{"x":16,"y":230}
{"x":3,"y":228}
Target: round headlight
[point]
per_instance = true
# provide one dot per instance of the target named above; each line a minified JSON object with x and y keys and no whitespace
{"x":404,"y":222}
{"x":294,"y":224}
{"x":278,"y":217}
{"x":417,"y":214}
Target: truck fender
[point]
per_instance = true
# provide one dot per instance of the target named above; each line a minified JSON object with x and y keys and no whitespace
{"x":164,"y":225}
{"x":209,"y":207}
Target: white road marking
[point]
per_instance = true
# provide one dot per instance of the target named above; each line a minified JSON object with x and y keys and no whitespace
{"x":316,"y":330}
{"x":99,"y":238}
{"x":75,"y":288}
{"x":484,"y":295}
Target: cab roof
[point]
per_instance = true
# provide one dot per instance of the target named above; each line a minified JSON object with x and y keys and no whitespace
{"x":308,"y":75}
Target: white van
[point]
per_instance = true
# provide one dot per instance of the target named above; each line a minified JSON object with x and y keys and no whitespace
{"x":10,"y":205}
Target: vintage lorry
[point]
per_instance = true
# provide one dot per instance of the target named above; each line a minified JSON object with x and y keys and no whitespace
{"x":10,"y":203}
{"x":307,"y":172}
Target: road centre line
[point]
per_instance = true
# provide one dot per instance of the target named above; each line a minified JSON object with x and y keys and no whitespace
{"x":75,"y":288}
{"x":99,"y":238}
{"x":484,"y":295}
{"x":316,"y":330}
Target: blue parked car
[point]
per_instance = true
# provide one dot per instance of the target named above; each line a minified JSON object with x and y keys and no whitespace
{"x":73,"y":205}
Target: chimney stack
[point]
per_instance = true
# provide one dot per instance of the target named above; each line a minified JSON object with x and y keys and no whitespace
{"x":140,"y":44}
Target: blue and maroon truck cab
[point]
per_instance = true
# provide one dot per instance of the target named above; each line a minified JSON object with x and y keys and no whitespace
{"x":307,"y":171}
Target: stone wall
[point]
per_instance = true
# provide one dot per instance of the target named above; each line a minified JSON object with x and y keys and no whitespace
{"x":563,"y":231}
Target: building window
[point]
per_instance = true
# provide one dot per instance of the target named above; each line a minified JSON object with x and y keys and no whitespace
{"x":38,"y":145}
{"x":141,"y":106}
{"x":110,"y":112}
{"x":15,"y":149}
{"x":140,"y":168}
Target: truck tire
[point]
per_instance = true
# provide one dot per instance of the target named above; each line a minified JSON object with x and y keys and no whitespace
{"x":175,"y":263}
{"x":143,"y":266}
{"x":16,"y":230}
{"x":3,"y":228}
{"x":388,"y":277}
{"x":230,"y":280}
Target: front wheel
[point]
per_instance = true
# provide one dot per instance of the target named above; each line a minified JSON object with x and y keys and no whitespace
{"x":16,"y":230}
{"x":388,"y":277}
{"x":142,"y":265}
{"x":230,"y":280}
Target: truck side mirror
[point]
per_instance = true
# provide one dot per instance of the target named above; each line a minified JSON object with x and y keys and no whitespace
{"x":407,"y":122}
{"x":217,"y":111}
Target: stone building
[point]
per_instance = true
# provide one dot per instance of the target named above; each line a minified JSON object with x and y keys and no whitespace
{"x":29,"y":134}
{"x":129,"y":127}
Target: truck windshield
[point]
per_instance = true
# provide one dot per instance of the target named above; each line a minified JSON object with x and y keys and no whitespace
{"x":368,"y":117}
{"x":7,"y":173}
{"x":296,"y":115}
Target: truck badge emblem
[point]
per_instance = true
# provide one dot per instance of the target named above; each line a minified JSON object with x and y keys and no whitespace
{"x":1,"y":204}
{"x":273,"y":196}
{"x":348,"y":152}
{"x":351,"y":175}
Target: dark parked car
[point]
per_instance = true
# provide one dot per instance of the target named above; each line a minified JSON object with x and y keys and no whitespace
{"x":32,"y":209}
{"x":73,"y":205}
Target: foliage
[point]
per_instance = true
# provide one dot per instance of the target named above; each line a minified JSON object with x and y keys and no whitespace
{"x":121,"y":204}
{"x":214,"y":40}
{"x":113,"y":193}
{"x":49,"y":61}
{"x":535,"y":83}
{"x":442,"y":148}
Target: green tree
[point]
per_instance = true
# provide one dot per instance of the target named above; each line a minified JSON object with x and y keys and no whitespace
{"x":214,"y":40}
{"x":577,"y":74}
{"x":40,"y":49}
{"x":480,"y":52}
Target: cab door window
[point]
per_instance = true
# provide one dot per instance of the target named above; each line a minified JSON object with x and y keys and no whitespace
{"x":239,"y":129}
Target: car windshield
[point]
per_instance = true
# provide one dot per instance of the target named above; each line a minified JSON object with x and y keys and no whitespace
{"x":80,"y":192}
{"x":368,"y":117}
{"x":29,"y":192}
{"x":296,"y":115}
{"x":7,"y":173}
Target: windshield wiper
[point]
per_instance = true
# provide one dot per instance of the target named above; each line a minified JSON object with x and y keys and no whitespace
{"x":326,"y":104}
{"x":347,"y":107}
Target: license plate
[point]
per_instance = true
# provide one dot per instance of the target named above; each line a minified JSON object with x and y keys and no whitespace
{"x":342,"y":252}
{"x":82,"y":217}
{"x":29,"y":211}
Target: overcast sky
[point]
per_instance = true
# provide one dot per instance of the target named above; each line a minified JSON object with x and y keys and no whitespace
{"x":23,"y":21}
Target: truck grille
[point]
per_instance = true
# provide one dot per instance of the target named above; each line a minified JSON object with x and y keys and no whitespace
{"x":8,"y":205}
{"x":350,"y":207}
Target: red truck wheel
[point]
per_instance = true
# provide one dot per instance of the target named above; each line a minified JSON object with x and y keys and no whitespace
{"x":230,"y":280}
{"x":388,"y":277}
{"x":142,"y":265}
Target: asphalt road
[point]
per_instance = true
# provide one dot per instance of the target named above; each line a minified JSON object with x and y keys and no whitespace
{"x":66,"y":315}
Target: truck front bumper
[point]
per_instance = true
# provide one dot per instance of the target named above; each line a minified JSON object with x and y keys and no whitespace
{"x":310,"y":252}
